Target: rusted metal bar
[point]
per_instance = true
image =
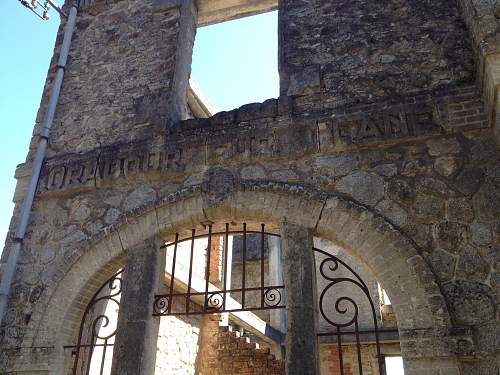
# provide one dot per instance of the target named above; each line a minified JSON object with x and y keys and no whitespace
{"x":226,"y":252}
{"x":358,"y":347}
{"x":215,"y":303}
{"x":190,"y":279}
{"x":340,"y":354}
{"x":114,"y":285}
{"x":361,"y":332}
{"x":243,"y":272}
{"x":207,"y":269}
{"x":91,"y":352}
{"x":103,"y":359}
{"x":172,"y":274}
{"x":262,"y":280}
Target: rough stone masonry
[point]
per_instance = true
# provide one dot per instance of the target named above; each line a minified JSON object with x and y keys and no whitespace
{"x":384,"y":140}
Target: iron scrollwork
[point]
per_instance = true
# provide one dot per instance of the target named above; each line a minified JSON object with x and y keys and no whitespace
{"x":342,"y":311}
{"x":272,"y":297}
{"x":96,"y":324}
{"x":344,"y":305}
{"x":161,"y":304}
{"x":215,"y":302}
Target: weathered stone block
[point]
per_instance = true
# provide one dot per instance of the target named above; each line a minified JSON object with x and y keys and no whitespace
{"x":364,"y":187}
{"x":471,"y":302}
{"x":306,"y":81}
{"x":487,"y":202}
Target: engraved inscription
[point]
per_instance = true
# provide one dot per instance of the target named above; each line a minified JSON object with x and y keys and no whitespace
{"x":248,"y":144}
{"x":375,"y":127}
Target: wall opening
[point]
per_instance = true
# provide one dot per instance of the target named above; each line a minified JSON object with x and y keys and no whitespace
{"x":236,"y":62}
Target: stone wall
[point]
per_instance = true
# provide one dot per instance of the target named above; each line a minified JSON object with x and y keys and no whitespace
{"x":352,"y":51}
{"x":178,"y":345}
{"x":124,"y":69}
{"x":406,"y":179}
{"x":440,"y":191}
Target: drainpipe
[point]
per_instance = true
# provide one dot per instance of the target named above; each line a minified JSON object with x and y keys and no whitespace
{"x":10,"y":267}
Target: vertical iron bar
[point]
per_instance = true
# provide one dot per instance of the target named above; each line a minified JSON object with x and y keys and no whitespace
{"x":381,"y":365}
{"x":226,"y":250}
{"x":207,"y":270}
{"x":91,"y":352}
{"x":172,"y":275}
{"x":381,"y":362}
{"x":103,"y":356}
{"x":78,"y":348}
{"x":188,"y":296}
{"x":358,"y":345}
{"x":339,"y":346}
{"x":243,"y":276}
{"x":262,"y":294}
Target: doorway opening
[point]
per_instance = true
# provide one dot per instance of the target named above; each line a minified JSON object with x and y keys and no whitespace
{"x":224,"y":298}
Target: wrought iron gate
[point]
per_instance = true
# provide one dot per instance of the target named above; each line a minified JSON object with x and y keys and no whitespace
{"x":217,"y":293}
{"x":93,"y":351}
{"x":199,"y":281}
{"x":339,"y":307}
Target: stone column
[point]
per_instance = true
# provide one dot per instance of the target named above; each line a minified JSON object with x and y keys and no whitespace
{"x":301,"y":342}
{"x":135,"y":342}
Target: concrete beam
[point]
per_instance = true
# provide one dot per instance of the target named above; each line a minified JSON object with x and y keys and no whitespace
{"x":216,"y":11}
{"x":198,"y":103}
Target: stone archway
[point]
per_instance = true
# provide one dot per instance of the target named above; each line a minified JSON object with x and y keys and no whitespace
{"x":421,"y":310}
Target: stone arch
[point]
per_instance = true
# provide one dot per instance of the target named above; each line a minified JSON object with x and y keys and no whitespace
{"x":392,"y":257}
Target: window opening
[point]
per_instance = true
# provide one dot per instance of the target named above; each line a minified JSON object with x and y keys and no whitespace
{"x":236,"y":62}
{"x":384,"y":298}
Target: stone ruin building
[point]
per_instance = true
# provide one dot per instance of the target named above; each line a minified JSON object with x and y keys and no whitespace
{"x":159,"y":238}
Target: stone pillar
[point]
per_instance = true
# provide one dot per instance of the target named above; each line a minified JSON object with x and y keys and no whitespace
{"x":301,"y":342}
{"x":137,"y":331}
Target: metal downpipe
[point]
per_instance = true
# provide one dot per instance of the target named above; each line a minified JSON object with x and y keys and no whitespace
{"x":10,"y":267}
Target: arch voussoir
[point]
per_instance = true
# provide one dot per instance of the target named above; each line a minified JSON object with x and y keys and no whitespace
{"x":392,"y":258}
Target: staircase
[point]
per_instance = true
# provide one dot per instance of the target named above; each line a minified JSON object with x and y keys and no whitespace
{"x":238,"y":355}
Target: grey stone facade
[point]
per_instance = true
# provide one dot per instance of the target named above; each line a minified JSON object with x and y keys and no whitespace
{"x":384,"y":141}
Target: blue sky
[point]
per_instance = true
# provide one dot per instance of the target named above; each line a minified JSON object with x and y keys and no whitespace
{"x":234,"y":63}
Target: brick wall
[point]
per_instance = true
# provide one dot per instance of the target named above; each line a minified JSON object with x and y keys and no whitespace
{"x":330,"y":362}
{"x":224,"y":352}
